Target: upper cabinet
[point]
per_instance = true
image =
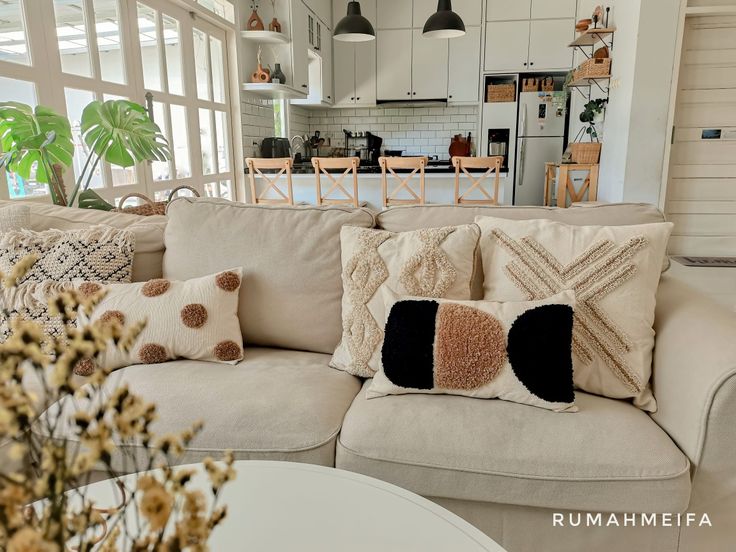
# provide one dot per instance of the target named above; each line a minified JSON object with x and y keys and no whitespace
{"x":395,"y":14}
{"x":394,"y":64}
{"x":322,"y":9}
{"x":529,"y":35}
{"x":354,"y":63}
{"x":429,"y":67}
{"x":299,"y":46}
{"x":464,"y":74}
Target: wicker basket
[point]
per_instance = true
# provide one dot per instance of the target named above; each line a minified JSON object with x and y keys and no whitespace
{"x":586,"y":153}
{"x":548,"y":84}
{"x":501,"y":93}
{"x":530,"y":85}
{"x":592,"y":68}
{"x":150,"y":207}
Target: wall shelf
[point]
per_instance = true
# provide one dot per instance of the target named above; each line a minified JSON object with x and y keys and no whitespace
{"x":274,"y":91}
{"x":265,"y":37}
{"x":591,"y":37}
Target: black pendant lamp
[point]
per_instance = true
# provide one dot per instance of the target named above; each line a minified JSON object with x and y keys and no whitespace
{"x":354,"y":27}
{"x":444,"y":23}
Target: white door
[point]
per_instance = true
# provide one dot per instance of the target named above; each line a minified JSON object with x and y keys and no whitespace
{"x":429,"y":67}
{"x":365,"y":73}
{"x":701,"y":188}
{"x":507,"y":46}
{"x":464,"y":67}
{"x":299,"y":46}
{"x":344,"y":63}
{"x":553,"y":9}
{"x":548,"y":44}
{"x":508,"y":10}
{"x":394,"y":14}
{"x":393,"y":60}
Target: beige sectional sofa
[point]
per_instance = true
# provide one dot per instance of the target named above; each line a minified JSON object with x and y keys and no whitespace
{"x":505,"y":467}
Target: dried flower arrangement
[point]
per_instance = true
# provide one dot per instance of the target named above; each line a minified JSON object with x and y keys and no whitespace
{"x":43,"y":502}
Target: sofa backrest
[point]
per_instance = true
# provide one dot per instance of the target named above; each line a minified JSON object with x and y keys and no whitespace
{"x":292,"y":285}
{"x":148,"y":231}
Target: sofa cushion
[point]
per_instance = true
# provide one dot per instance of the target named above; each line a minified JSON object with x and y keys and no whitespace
{"x":292,"y":286}
{"x":608,"y":457}
{"x":148,"y":231}
{"x":274,"y":405}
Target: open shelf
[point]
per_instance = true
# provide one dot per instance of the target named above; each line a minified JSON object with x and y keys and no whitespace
{"x":274,"y":91}
{"x":591,"y":37}
{"x":588,"y":81}
{"x":265,"y":37}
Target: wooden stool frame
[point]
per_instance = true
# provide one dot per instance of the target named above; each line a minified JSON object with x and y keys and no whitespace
{"x":492,"y":164}
{"x":388,"y":164}
{"x":349,"y":164}
{"x":549,"y":177}
{"x":565,"y":184}
{"x":256,"y":165}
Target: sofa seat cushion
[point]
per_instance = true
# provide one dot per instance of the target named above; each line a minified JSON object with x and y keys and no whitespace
{"x":274,"y":405}
{"x":609,"y":457}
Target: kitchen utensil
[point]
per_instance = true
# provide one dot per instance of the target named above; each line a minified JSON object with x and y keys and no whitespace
{"x":393,"y":153}
{"x":459,"y":147}
{"x":274,"y":147}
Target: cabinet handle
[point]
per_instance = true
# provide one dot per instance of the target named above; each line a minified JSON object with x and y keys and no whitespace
{"x":531,"y":63}
{"x":450,"y":95}
{"x":408,"y":93}
{"x":414,"y":93}
{"x":352,"y":98}
{"x":304,"y":86}
{"x":329,"y":97}
{"x":358,"y":98}
{"x":525,"y":64}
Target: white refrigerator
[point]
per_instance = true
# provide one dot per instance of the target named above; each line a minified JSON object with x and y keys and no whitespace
{"x":541,"y":139}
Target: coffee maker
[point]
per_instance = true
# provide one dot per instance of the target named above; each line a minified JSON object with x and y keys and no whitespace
{"x":373,"y":146}
{"x":498,"y":144}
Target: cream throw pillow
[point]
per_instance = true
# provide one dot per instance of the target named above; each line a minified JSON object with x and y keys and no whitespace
{"x":196,"y":319}
{"x":515,"y":351}
{"x":14,"y":217}
{"x":432,"y":262}
{"x":614,"y":271}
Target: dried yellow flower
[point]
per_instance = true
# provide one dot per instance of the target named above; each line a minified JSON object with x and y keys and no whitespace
{"x":156,"y":505}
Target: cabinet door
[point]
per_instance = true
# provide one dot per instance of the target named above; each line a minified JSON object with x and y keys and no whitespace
{"x":548,"y":44}
{"x":395,"y":14}
{"x":464,"y":71}
{"x":429,"y":67}
{"x":328,"y":94}
{"x":322,"y":9}
{"x":471,"y":11}
{"x":553,"y":9}
{"x":343,"y":54}
{"x":393,"y":64}
{"x":507,"y":46}
{"x":299,"y":46}
{"x":365,"y":73}
{"x":508,"y":10}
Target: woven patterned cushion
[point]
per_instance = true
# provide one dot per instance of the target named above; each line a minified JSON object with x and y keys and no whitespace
{"x":432,"y":262}
{"x":515,"y":351}
{"x":14,"y":217}
{"x":97,"y":253}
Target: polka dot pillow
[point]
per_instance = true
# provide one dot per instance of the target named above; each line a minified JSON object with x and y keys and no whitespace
{"x":515,"y":351}
{"x":196,"y":319}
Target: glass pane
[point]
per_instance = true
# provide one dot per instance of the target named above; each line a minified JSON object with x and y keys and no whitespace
{"x":161,"y":169}
{"x":201,"y":65}
{"x":223,"y":8}
{"x":76,"y":101}
{"x":71,"y":33}
{"x":223,"y":149}
{"x":210,"y":189}
{"x":148,"y":37}
{"x":163,"y":195}
{"x":107,"y":26}
{"x":205,"y":134}
{"x":172,"y":45}
{"x":218,"y":70}
{"x":20,"y":91}
{"x":13,"y":44}
{"x":226,"y":190}
{"x":180,"y":141}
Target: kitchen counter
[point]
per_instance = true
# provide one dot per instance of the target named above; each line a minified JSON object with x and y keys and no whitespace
{"x":441,"y":168}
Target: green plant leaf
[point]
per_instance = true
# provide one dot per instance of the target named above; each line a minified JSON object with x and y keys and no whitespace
{"x":122,"y":134}
{"x":89,"y":199}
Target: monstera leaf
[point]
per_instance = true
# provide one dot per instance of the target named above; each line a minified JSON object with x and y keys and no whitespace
{"x":122,"y":134}
{"x":31,"y":137}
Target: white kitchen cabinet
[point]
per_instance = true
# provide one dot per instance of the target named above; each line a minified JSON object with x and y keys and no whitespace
{"x":299,"y":46}
{"x":393,"y":64}
{"x":365,"y":73}
{"x":471,"y":11}
{"x":343,"y":54}
{"x":553,"y":9}
{"x":354,"y":63}
{"x":328,"y":92}
{"x":428,"y":67}
{"x":395,"y":14}
{"x":323,"y":10}
{"x":509,"y":10}
{"x":548,"y":44}
{"x":507,"y":46}
{"x":464,"y":67}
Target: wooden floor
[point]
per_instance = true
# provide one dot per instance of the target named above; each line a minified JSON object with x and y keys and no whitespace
{"x":718,"y":283}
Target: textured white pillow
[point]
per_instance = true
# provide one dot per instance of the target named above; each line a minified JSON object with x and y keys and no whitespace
{"x":614,"y":271}
{"x":196,"y":319}
{"x":433,"y":262}
{"x":515,"y":351}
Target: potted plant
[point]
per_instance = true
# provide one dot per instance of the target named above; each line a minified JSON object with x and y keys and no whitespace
{"x":589,"y":153}
{"x":117,"y":131}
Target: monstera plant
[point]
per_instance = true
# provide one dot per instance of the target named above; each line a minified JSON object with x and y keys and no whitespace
{"x":119,"y":132}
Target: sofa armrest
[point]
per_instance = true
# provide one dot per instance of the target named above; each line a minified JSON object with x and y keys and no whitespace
{"x":694,"y":370}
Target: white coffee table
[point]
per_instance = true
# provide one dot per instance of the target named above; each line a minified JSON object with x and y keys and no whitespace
{"x":283,"y":506}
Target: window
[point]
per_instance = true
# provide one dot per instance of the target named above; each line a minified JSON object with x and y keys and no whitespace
{"x":280,"y":108}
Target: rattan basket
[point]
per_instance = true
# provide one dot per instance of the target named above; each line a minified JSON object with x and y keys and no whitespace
{"x":501,"y":93}
{"x":593,"y":68}
{"x":548,"y":84}
{"x":586,"y":153}
{"x":530,"y":85}
{"x":150,"y":207}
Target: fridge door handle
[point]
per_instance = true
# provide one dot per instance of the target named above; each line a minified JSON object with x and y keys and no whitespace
{"x":522,"y":143}
{"x":523,"y":119}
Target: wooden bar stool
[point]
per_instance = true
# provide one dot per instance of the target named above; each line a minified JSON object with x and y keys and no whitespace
{"x":566,"y":186}
{"x":388,"y":165}
{"x":348,"y":165}
{"x":550,"y":172}
{"x":273,"y":181}
{"x":492,"y":165}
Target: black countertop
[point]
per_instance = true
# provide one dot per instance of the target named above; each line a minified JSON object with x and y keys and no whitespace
{"x":433,"y":167}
